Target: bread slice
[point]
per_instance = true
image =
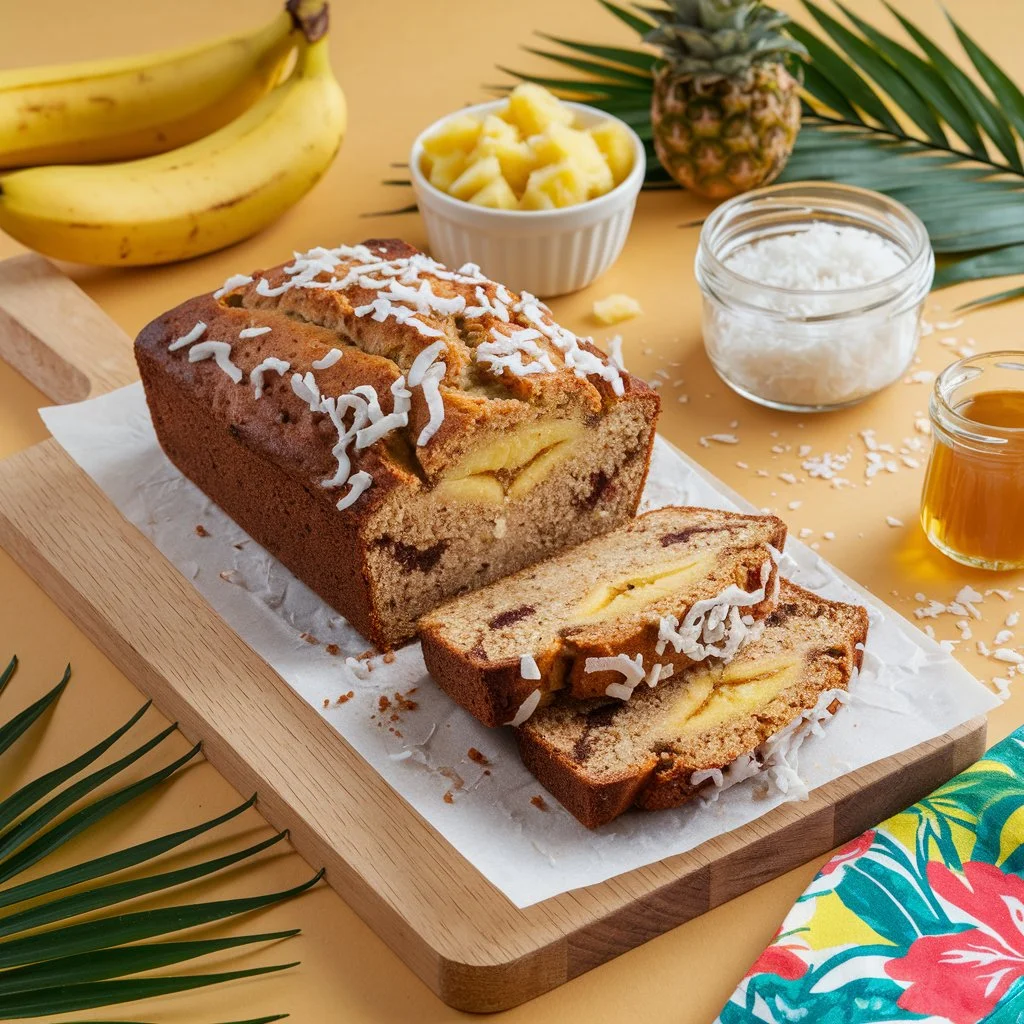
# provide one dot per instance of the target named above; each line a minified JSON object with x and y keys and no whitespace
{"x":600,"y":757}
{"x":672,"y":586}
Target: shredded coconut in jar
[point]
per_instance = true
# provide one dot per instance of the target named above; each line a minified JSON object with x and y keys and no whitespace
{"x":813,"y":272}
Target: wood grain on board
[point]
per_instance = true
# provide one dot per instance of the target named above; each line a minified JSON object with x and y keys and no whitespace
{"x":447,"y":923}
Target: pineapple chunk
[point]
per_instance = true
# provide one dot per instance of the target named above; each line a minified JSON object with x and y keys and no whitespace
{"x":457,"y":133}
{"x":558,"y":143}
{"x":444,"y":170}
{"x":475,"y":177}
{"x":561,"y":184}
{"x":496,"y":194}
{"x":531,"y":108}
{"x":614,"y":308}
{"x":501,"y":139}
{"x":616,"y":147}
{"x":494,"y":131}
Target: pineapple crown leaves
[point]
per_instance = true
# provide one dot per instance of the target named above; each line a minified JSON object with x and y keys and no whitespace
{"x":52,"y":960}
{"x":719,"y":37}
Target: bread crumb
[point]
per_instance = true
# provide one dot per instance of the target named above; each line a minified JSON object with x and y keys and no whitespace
{"x":404,"y":703}
{"x":475,"y":755}
{"x":327,"y":702}
{"x":309,"y":638}
{"x":202,"y":531}
{"x":389,"y":657}
{"x":539,"y":802}
{"x":383,"y":703}
{"x":333,"y":649}
{"x":344,"y":698}
{"x":448,"y":798}
{"x":367,"y":654}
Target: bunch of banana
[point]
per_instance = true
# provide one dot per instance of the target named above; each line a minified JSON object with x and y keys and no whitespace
{"x":226,"y":146}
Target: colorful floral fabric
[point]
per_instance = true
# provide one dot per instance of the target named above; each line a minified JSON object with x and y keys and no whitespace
{"x":921,"y":919}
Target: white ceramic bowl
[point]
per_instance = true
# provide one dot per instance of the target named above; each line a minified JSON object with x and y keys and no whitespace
{"x":547,"y":252}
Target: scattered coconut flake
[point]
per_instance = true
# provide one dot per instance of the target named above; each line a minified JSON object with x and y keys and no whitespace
{"x":920,"y":377}
{"x":1012,"y":619}
{"x":1011,"y":657}
{"x":788,"y":478}
{"x":254,"y":332}
{"x":829,"y":535}
{"x":893,"y":521}
{"x":1006,"y":595}
{"x":631,"y":668}
{"x":1003,"y":637}
{"x":983,"y":649}
{"x":1002,"y":685}
{"x":805,"y":532}
{"x":722,"y":438}
{"x":794,"y":505}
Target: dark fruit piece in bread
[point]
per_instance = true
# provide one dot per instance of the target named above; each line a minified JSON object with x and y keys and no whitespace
{"x":601,"y":757}
{"x":606,"y":598}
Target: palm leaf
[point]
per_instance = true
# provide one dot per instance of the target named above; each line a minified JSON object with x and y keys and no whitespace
{"x":897,"y":116}
{"x":53,"y":962}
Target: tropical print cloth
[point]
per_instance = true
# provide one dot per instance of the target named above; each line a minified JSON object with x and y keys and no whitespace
{"x":920,"y":919}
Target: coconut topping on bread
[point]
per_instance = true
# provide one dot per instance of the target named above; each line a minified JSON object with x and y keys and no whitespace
{"x":356,"y":377}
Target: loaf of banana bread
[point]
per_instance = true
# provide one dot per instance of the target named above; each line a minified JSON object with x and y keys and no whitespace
{"x":659,"y":749}
{"x":395,"y":432}
{"x":672,"y":587}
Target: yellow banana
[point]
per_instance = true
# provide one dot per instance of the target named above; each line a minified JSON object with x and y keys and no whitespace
{"x":135,"y":106}
{"x":192,"y":200}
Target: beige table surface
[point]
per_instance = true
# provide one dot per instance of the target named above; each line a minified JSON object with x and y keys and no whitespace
{"x":403,"y":64}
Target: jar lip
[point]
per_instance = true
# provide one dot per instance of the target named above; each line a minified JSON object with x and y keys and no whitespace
{"x":815,"y":195}
{"x":958,"y":373}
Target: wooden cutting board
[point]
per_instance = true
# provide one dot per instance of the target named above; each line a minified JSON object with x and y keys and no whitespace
{"x":448,"y":924}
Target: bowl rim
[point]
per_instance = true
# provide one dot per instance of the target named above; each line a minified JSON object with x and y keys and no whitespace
{"x":630,"y":185}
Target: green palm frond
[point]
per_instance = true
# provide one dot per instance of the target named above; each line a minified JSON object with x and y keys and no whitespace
{"x":69,"y":945}
{"x":899,"y":117}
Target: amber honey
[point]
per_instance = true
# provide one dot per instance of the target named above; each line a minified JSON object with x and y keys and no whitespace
{"x":972,"y":507}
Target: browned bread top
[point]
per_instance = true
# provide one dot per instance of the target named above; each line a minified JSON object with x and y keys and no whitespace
{"x":394,"y":332}
{"x":600,"y":757}
{"x":551,"y":626}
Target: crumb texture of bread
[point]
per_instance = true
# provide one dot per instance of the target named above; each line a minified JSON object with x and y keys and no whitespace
{"x":601,"y":757}
{"x":605,"y":598}
{"x":490,"y":436}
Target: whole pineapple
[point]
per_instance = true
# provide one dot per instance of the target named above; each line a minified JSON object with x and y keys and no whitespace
{"x":724,"y":109}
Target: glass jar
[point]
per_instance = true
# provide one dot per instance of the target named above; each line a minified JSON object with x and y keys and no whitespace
{"x":972,"y":506}
{"x":816,"y":348}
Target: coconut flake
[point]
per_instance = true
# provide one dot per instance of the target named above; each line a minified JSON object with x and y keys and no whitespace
{"x":186,"y":339}
{"x":528,"y":668}
{"x":220,"y":352}
{"x":430,"y":385}
{"x":233,"y":282}
{"x":526,"y":709}
{"x":256,"y":373}
{"x":327,"y":361}
{"x":254,"y":332}
{"x":357,"y":484}
{"x":306,"y":387}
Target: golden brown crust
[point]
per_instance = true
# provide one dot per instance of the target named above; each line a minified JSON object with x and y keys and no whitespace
{"x":662,"y":779}
{"x":289,"y":448}
{"x":492,"y":690}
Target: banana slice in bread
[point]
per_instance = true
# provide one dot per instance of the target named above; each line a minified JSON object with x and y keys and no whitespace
{"x":600,"y":757}
{"x":673,"y":586}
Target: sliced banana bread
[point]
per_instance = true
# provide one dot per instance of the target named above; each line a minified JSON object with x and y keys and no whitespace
{"x":600,"y":757}
{"x":670,"y":588}
{"x":393,"y":431}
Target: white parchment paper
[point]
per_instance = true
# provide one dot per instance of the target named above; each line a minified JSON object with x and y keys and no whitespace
{"x":910,"y":690}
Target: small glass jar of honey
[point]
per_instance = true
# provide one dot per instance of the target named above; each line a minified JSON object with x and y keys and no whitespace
{"x":972,"y":508}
